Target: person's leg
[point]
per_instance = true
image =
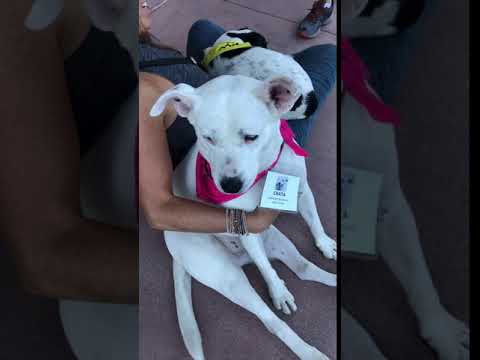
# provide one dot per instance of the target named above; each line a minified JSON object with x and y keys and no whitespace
{"x":202,"y":35}
{"x":178,"y":73}
{"x":320,"y":63}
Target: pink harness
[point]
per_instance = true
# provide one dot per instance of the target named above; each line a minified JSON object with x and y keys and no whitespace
{"x":208,"y":191}
{"x":355,"y":78}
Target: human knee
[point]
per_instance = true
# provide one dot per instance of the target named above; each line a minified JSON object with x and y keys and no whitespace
{"x":202,"y":26}
{"x":201,"y":22}
{"x":324,"y":54}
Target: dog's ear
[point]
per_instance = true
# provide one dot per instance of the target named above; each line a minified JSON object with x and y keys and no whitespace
{"x":43,"y":13}
{"x":257,"y":39}
{"x":279,"y":94}
{"x":183,"y":97}
{"x":251,"y":36}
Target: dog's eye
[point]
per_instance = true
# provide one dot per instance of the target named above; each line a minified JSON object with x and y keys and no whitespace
{"x":250,"y":138}
{"x":209,"y":139}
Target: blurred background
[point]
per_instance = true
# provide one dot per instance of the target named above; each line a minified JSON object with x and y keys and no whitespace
{"x":424,"y":74}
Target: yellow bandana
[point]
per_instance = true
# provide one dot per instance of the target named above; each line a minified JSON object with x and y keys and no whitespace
{"x":223,"y":48}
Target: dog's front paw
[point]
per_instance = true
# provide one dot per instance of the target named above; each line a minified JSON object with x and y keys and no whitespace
{"x":282,"y":298}
{"x":449,"y":337}
{"x":327,"y":246}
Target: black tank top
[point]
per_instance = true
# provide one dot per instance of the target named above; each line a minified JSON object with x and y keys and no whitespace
{"x":100,"y":76}
{"x":180,"y":135}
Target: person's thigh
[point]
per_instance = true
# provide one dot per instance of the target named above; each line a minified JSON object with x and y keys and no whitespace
{"x":320,"y":63}
{"x":178,"y":73}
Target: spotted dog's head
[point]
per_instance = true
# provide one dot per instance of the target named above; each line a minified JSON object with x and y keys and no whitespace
{"x":242,"y":35}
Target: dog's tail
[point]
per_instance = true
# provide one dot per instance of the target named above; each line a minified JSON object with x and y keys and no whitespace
{"x":186,"y":317}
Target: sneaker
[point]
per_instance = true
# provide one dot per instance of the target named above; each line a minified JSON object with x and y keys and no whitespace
{"x":319,"y":16}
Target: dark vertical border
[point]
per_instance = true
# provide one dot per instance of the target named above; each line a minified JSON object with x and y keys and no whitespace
{"x":339,"y":187}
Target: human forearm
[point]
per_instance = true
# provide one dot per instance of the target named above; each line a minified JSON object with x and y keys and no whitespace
{"x":162,"y":209}
{"x":179,"y":214}
{"x":83,"y":261}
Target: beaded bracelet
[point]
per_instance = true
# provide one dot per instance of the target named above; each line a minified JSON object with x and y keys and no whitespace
{"x":236,"y":221}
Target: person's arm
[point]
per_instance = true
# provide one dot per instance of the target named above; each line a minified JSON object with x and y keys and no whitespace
{"x":162,"y":209}
{"x":57,"y":252}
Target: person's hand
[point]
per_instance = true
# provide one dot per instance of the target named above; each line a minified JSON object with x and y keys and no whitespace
{"x":145,"y":20}
{"x":260,"y":219}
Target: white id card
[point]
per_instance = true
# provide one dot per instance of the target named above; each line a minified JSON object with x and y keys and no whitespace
{"x":360,"y":195}
{"x":280,"y":192}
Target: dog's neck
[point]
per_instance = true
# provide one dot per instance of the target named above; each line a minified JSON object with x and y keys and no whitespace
{"x":223,"y":47}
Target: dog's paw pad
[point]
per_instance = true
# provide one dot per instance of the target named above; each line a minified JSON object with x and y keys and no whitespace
{"x":327,"y":246}
{"x":282,"y":298}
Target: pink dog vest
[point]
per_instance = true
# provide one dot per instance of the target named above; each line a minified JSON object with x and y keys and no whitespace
{"x":355,"y":78}
{"x":208,"y":191}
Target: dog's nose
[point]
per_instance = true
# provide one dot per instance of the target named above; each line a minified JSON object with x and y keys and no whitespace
{"x":231,"y":185}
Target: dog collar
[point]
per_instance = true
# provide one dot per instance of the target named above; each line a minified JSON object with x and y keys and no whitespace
{"x":205,"y":186}
{"x":223,"y":48}
{"x":355,"y":77}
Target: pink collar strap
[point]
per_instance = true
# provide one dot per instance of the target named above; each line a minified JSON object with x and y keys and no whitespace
{"x":355,"y":77}
{"x":208,"y":191}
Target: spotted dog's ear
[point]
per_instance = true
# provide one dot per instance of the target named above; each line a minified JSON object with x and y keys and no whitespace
{"x":251,"y":36}
{"x":43,"y":13}
{"x":184,"y":100}
{"x":279,"y":94}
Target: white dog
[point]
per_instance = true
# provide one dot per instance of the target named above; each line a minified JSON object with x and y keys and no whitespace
{"x":261,"y":63}
{"x":370,"y":145}
{"x":237,"y":121}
